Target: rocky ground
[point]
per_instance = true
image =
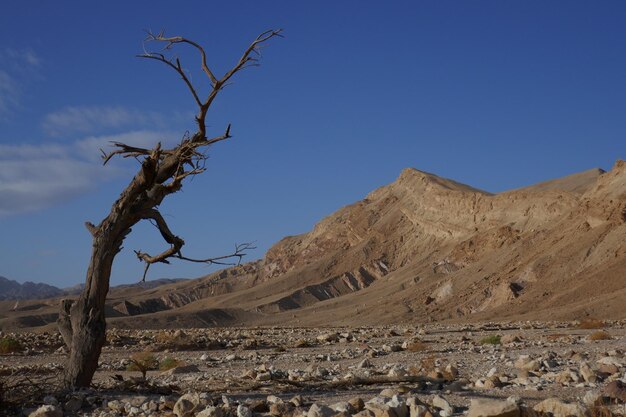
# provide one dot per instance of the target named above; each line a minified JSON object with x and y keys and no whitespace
{"x":483,"y":369}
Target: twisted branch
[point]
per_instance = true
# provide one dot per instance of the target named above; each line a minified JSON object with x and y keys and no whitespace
{"x":245,"y":61}
{"x":177,"y":243}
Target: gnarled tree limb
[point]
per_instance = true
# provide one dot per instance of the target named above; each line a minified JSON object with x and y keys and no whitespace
{"x":216,"y":84}
{"x":177,"y":243}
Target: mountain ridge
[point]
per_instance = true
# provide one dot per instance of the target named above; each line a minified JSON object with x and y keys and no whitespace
{"x":421,"y":248}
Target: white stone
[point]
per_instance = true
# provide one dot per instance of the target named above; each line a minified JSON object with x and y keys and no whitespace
{"x":243,"y":411}
{"x":47,"y":411}
{"x":483,"y":407}
{"x":442,"y":404}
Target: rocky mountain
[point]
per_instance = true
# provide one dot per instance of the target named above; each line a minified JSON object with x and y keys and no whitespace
{"x":422,"y":248}
{"x":13,"y":290}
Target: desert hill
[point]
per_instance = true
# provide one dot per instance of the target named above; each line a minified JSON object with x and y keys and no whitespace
{"x":422,"y":248}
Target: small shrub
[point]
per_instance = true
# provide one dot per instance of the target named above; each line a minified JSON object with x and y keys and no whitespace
{"x":177,"y":340}
{"x":599,"y":335}
{"x":591,"y":324}
{"x":143,"y":362}
{"x":416,"y":346}
{"x":10,"y":345}
{"x":601,"y":411}
{"x":557,"y":336}
{"x":429,"y":363}
{"x":169,"y":363}
{"x":490,"y":340}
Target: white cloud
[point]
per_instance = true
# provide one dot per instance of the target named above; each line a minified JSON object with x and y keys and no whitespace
{"x":17,"y":67}
{"x":9,"y":93}
{"x":90,"y":119}
{"x":33,"y":177}
{"x":21,"y":58}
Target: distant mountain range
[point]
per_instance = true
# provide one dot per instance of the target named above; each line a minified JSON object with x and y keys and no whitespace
{"x":13,"y":290}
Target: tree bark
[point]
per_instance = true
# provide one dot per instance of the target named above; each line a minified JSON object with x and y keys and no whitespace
{"x":87,"y":318}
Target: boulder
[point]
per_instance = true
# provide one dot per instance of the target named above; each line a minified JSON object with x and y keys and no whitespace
{"x":587,"y":373}
{"x":416,"y":407}
{"x":560,"y":408}
{"x":380,"y":408}
{"x":357,"y":403}
{"x":211,"y":411}
{"x":186,"y":405}
{"x":483,"y":407}
{"x":443,"y":405}
{"x":317,"y":410}
{"x":398,"y":406}
{"x":615,"y":390}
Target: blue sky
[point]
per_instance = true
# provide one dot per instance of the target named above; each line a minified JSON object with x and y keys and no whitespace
{"x":495,"y":94}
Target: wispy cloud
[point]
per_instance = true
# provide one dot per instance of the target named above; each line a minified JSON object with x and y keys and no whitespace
{"x":9,"y":93}
{"x":33,"y":177}
{"x":93,"y":119}
{"x":20,"y":58}
{"x":16,"y":68}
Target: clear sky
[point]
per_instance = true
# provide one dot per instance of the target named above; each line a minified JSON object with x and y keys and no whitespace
{"x":495,"y":94}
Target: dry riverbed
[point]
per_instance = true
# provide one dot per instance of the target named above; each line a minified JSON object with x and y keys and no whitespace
{"x":487,"y":369}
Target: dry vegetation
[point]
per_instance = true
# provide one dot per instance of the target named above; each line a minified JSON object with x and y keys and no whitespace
{"x":591,"y":323}
{"x":9,"y":345}
{"x":600,"y":335}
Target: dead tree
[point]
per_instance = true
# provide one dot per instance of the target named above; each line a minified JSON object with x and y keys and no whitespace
{"x":162,"y":173}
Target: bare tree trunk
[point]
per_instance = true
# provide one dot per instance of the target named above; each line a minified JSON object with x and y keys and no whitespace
{"x":82,"y":324}
{"x":87,"y":318}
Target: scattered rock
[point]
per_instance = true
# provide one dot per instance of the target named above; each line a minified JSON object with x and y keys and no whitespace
{"x":320,"y":411}
{"x":212,"y":411}
{"x":73,"y":404}
{"x":560,"y":408}
{"x":186,"y":405}
{"x":47,"y":411}
{"x":615,"y":390}
{"x":483,"y":407}
{"x":443,"y":405}
{"x":186,"y":369}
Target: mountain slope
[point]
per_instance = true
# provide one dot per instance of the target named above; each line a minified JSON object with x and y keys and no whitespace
{"x":421,"y":248}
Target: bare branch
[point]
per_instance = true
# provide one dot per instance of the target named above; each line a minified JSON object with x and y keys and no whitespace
{"x":91,"y":228}
{"x":239,"y":253}
{"x":178,"y":39}
{"x":253,"y":48}
{"x":245,"y":61}
{"x":177,"y":243}
{"x":127,"y":151}
{"x":177,"y":68}
{"x":198,"y":142}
